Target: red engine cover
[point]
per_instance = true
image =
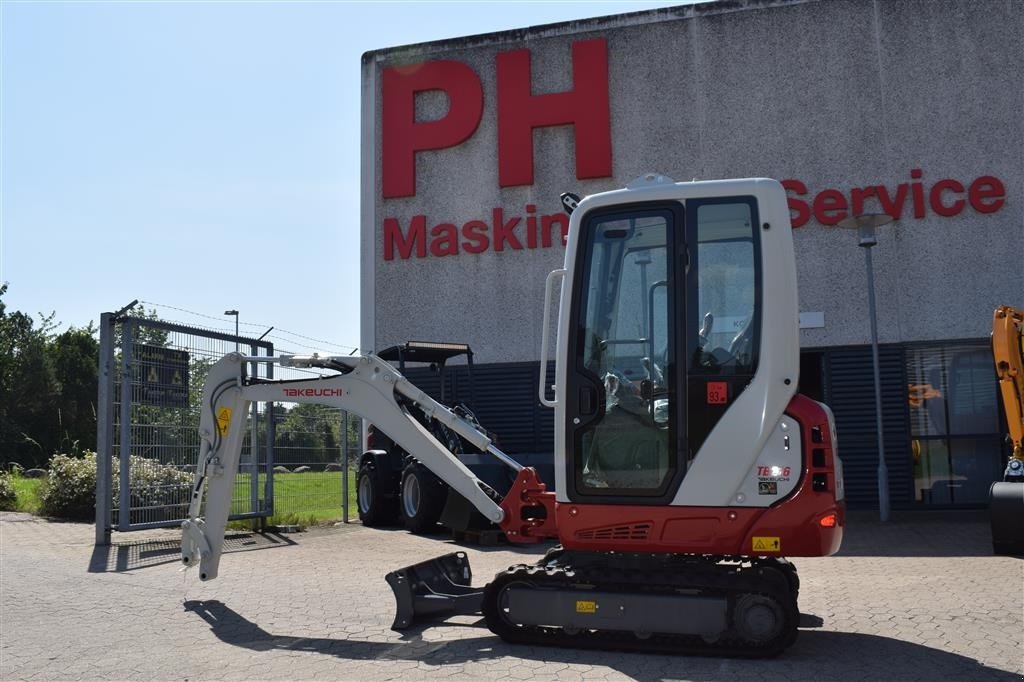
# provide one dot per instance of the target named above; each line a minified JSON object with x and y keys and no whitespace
{"x":793,"y":526}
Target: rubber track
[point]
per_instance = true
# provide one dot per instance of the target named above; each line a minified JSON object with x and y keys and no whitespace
{"x":713,"y":579}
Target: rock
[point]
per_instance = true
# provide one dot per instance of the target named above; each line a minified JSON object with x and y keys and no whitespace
{"x":301,"y":470}
{"x":35,"y":473}
{"x":281,"y":470}
{"x":333,"y":466}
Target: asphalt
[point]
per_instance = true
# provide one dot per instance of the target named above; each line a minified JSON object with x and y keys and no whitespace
{"x":920,"y":597}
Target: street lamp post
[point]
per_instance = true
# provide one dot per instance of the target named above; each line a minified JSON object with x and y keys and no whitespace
{"x":865,"y":225}
{"x":235,"y":313}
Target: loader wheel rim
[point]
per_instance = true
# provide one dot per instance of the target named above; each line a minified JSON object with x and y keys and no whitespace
{"x":411,"y":496}
{"x":365,"y":494}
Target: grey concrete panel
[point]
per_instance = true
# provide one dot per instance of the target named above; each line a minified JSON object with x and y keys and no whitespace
{"x":835,"y":94}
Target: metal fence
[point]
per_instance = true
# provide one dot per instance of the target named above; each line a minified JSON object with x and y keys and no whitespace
{"x":151,"y":378}
{"x":315,"y":450}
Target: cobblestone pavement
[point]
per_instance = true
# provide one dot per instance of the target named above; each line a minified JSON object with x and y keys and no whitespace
{"x":920,"y":598}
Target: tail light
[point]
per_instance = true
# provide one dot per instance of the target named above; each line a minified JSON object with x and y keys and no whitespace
{"x":371,"y":436}
{"x":828,"y":521}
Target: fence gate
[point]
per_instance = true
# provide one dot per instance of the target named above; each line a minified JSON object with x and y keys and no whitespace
{"x":150,"y":389}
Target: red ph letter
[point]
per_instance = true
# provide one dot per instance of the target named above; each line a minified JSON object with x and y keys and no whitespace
{"x":585,"y":107}
{"x":402,"y":136}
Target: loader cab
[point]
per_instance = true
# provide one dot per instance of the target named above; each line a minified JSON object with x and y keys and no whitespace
{"x":665,"y":335}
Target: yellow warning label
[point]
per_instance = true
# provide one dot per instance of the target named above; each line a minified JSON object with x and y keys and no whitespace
{"x":176,"y":379}
{"x":223,"y":420}
{"x":153,"y":377}
{"x":767,"y":544}
{"x":586,"y":606}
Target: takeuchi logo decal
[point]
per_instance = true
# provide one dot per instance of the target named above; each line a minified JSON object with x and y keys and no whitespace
{"x":314,"y":392}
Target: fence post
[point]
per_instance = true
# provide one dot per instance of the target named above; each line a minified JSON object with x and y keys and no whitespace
{"x":254,"y":449}
{"x":271,"y":409}
{"x":124,"y":515}
{"x":104,"y":429}
{"x":344,"y":469}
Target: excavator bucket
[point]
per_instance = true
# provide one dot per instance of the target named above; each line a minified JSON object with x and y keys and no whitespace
{"x":437,"y":588}
{"x":1006,"y":514}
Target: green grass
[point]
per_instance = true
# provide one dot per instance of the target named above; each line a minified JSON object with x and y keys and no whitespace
{"x":27,"y":491}
{"x":307,"y":499}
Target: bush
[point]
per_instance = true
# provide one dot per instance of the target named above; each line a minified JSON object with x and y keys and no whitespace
{"x":163,"y":487}
{"x":70,"y":490}
{"x":8,"y":498}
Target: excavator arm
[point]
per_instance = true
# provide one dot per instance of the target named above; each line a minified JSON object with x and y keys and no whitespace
{"x":1008,"y":354}
{"x":1006,"y":497}
{"x":364,"y":385}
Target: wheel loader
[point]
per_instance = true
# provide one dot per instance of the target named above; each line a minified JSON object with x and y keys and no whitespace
{"x":688,"y":469}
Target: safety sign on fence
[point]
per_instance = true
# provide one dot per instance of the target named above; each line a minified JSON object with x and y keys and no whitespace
{"x":161,"y":376}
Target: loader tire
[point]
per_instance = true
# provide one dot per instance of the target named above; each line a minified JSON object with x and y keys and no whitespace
{"x":376,"y":508}
{"x":422,"y":499}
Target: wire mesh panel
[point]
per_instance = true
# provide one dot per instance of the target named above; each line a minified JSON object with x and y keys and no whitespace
{"x":157,"y":370}
{"x":312,"y":442}
{"x":151,"y":383}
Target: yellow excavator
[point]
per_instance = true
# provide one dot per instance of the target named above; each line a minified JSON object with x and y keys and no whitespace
{"x":1006,"y":497}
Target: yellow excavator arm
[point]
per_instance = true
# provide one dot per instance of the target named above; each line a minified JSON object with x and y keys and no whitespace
{"x":1006,"y":497}
{"x":1008,"y":353}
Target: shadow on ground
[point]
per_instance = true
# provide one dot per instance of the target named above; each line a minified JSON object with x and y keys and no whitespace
{"x":131,"y":555}
{"x":816,"y":654}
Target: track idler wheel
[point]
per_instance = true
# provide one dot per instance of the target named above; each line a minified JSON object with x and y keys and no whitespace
{"x":757,"y":619}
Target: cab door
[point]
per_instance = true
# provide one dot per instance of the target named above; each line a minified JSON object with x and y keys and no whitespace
{"x":666,"y":336}
{"x":623,"y":404}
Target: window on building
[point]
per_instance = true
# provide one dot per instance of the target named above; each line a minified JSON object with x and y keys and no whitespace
{"x":954,"y":422}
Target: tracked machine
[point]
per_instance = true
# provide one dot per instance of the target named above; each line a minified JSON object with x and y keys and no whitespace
{"x":687,"y":467}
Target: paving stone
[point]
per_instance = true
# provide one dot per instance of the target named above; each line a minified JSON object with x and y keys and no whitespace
{"x":917,"y":598}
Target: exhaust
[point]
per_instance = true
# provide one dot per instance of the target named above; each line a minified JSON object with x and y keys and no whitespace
{"x":437,"y":588}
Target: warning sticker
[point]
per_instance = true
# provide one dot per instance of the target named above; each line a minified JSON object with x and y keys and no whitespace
{"x":767,"y":488}
{"x":766,"y":544}
{"x":223,"y":420}
{"x":586,"y":606}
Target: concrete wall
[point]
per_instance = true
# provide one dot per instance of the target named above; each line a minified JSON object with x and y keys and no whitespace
{"x":834,"y":94}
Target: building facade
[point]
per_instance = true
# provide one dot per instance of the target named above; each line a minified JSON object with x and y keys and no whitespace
{"x":902,"y":107}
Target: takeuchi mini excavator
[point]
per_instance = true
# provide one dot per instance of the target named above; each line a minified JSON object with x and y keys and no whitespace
{"x":687,"y":467}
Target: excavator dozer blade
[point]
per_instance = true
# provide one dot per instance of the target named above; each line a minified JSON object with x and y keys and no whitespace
{"x":1006,"y":515}
{"x":437,"y":588}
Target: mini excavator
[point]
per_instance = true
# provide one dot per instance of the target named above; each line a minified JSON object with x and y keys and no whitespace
{"x":688,"y":469}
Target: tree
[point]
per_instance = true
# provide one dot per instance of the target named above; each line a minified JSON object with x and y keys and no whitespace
{"x":28,"y":389}
{"x":74,"y":356}
{"x":307,"y":434}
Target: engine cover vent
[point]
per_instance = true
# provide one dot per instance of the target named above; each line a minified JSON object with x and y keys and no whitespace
{"x":634,"y":531}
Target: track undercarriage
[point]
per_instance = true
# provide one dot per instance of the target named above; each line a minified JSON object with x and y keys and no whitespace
{"x":676,"y":604}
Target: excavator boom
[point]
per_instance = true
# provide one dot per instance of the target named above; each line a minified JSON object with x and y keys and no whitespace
{"x":365,"y":385}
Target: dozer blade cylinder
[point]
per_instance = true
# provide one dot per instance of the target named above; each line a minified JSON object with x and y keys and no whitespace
{"x":1006,"y":516}
{"x":437,"y":588}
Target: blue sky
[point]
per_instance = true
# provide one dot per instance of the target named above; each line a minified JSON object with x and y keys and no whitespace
{"x":202,"y":156}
